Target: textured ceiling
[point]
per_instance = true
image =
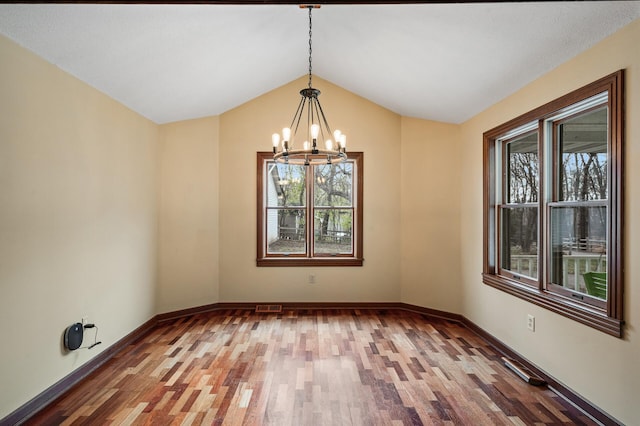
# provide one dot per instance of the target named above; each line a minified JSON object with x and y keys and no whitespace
{"x":444,"y":62}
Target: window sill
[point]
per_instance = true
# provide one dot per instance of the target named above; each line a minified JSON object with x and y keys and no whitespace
{"x":582,"y":313}
{"x":304,"y":261}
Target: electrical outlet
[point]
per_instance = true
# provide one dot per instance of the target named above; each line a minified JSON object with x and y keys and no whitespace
{"x":312,"y":279}
{"x":531,"y":322}
{"x":85,"y":320}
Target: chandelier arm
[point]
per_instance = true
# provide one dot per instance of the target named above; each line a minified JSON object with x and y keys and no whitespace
{"x":309,"y":118}
{"x":297,"y":115}
{"x":324,"y":119}
{"x":321,"y":120}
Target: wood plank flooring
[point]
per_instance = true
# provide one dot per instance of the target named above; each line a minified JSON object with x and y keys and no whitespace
{"x":308,"y":367}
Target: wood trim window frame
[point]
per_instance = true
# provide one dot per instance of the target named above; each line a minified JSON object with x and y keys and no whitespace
{"x":606,"y":317}
{"x":264,"y":259}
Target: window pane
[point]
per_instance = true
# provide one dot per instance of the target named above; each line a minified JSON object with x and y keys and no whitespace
{"x":583,"y":147}
{"x":333,"y":231}
{"x":286,"y":231}
{"x":519,"y":241}
{"x":578,"y":245}
{"x":333,"y":185}
{"x":285,"y":185}
{"x":521,"y":169}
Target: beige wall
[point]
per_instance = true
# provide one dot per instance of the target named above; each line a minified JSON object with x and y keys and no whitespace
{"x":430,"y":210}
{"x":603,"y":369}
{"x":369,"y":128}
{"x":188,"y":211}
{"x":77,"y":221}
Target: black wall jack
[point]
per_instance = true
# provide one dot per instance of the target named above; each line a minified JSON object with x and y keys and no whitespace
{"x":74,"y":334}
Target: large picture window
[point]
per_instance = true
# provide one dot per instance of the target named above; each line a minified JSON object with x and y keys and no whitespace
{"x":553,"y":205}
{"x":309,"y":215}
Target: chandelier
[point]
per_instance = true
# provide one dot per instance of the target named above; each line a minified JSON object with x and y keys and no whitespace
{"x":312,"y":150}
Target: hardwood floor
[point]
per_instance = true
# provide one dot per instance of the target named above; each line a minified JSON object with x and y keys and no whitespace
{"x":308,"y":367}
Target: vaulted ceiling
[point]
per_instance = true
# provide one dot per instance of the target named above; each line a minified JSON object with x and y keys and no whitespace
{"x":437,"y":61}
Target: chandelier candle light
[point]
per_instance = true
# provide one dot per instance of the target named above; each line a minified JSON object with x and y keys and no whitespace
{"x":333,"y":150}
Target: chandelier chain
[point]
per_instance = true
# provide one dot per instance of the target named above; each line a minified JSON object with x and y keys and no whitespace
{"x":310,"y":50}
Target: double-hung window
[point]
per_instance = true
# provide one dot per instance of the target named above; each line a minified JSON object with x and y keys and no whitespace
{"x":309,"y":215}
{"x":553,"y":205}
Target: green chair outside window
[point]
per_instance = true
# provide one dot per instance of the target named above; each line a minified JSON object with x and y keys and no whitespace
{"x":596,"y":283}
